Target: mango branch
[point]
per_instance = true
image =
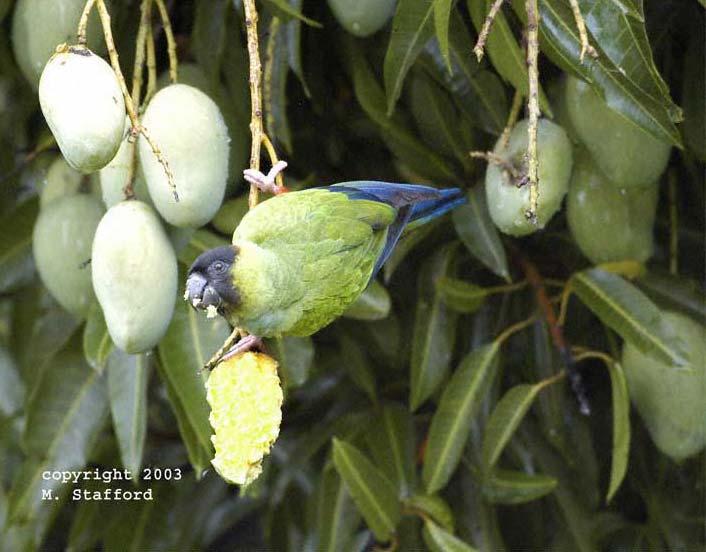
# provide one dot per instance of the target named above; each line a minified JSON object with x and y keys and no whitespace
{"x":256,"y":130}
{"x":479,"y":48}
{"x":140,"y":47}
{"x":137,"y":128}
{"x":151,"y":66}
{"x":171,"y":42}
{"x":583,"y":35}
{"x":533,"y":106}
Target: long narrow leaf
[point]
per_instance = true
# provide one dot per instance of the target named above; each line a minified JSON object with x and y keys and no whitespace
{"x":452,"y":421}
{"x":628,"y":311}
{"x":372,"y":492}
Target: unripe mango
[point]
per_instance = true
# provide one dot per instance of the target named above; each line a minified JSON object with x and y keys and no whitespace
{"x":362,"y":17}
{"x":113,"y":176}
{"x":670,"y":400}
{"x":62,"y":181}
{"x":84,"y":107}
{"x":134,"y":273}
{"x":62,"y":240}
{"x":189,"y":130}
{"x":608,"y":223}
{"x":39,"y":26}
{"x":628,"y":154}
{"x":509,"y":204}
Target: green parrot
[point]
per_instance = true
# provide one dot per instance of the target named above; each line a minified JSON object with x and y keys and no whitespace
{"x":299,"y":259}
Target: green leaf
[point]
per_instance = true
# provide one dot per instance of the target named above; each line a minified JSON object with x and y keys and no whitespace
{"x":504,"y":420}
{"x":442,"y":14}
{"x":372,"y":492}
{"x":434,"y":329}
{"x":16,"y":262}
{"x":97,"y":344}
{"x":675,"y":293}
{"x":391,"y":440}
{"x":437,"y":118}
{"x":479,"y":234}
{"x":188,"y":344}
{"x":461,"y":296}
{"x":623,"y":92}
{"x":620,"y":33}
{"x":201,"y":241}
{"x":208,"y":38}
{"x":336,"y":515}
{"x":621,"y":428}
{"x":41,"y":328}
{"x":283,"y":9}
{"x":411,"y":30}
{"x":275,"y":93}
{"x":435,"y":507}
{"x":479,"y":92}
{"x":357,"y":366}
{"x":294,"y":34}
{"x":439,"y":540}
{"x":12,"y":390}
{"x":451,"y":423}
{"x":628,"y":311}
{"x":295,"y":356}
{"x":65,"y":412}
{"x":128,"y":376}
{"x":503,"y":50}
{"x":373,"y":304}
{"x":401,"y":141}
{"x":515,"y":487}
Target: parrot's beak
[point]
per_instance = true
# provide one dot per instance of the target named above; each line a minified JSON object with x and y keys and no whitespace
{"x":199,"y":292}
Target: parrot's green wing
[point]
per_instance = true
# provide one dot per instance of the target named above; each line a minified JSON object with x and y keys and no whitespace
{"x":316,"y":248}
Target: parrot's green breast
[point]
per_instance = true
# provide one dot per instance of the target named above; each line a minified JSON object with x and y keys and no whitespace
{"x":303,"y":258}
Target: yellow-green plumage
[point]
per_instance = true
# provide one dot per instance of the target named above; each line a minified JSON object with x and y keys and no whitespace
{"x":303,"y":257}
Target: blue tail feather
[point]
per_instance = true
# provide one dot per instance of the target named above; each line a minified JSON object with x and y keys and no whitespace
{"x":415,"y":205}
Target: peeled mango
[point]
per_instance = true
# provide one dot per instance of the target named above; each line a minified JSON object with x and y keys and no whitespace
{"x":113,"y":176}
{"x":509,"y":204}
{"x":671,"y":401}
{"x":189,"y":130}
{"x":245,"y":397}
{"x":620,"y":148}
{"x":62,"y":240}
{"x":362,"y":17}
{"x":134,"y":275}
{"x":39,"y":26}
{"x":84,"y":107}
{"x":608,"y":223}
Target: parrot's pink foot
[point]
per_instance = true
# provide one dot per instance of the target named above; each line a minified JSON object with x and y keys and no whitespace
{"x":266,"y":182}
{"x":247,"y":343}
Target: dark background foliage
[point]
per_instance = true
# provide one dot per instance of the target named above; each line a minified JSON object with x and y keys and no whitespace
{"x":418,"y":351}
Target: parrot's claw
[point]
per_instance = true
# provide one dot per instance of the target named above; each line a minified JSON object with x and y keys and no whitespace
{"x":247,"y":343}
{"x":266,"y":182}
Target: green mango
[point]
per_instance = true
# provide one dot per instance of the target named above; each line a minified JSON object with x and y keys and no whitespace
{"x":134,"y":271}
{"x":39,"y":26}
{"x":62,"y":181}
{"x":83,"y":105}
{"x":509,"y":204}
{"x":609,"y":223}
{"x":62,"y":240}
{"x":229,"y":215}
{"x":192,"y":135}
{"x":362,"y":17}
{"x":671,"y":400}
{"x":114,"y":175}
{"x":620,"y":148}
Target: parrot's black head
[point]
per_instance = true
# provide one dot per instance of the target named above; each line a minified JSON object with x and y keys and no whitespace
{"x":210,"y":282}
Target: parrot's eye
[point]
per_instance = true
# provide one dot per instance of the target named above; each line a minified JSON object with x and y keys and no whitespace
{"x":218,"y":267}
